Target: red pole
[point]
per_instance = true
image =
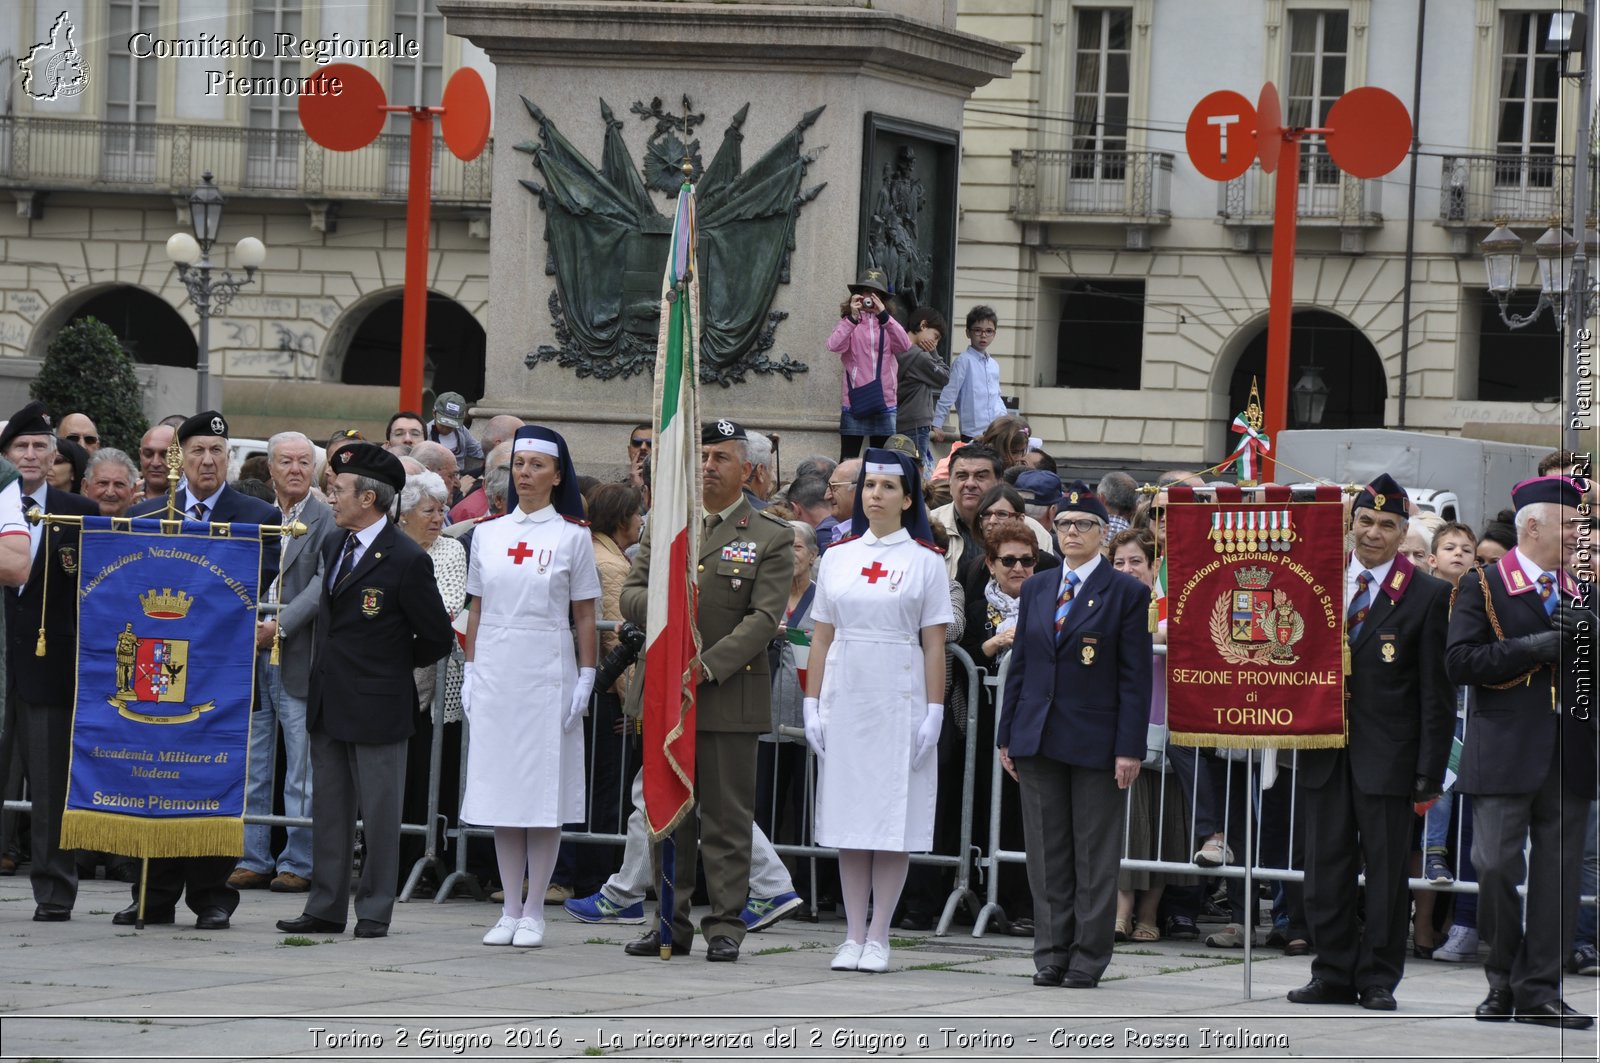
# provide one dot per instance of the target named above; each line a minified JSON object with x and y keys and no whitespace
{"x":414,"y":317}
{"x":1280,"y":307}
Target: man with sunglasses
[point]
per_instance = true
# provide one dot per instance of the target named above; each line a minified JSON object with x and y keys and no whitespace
{"x":640,"y":442}
{"x":78,"y":428}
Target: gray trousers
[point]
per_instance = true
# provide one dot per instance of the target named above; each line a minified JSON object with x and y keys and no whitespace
{"x":1528,"y":959}
{"x":44,"y":733}
{"x":725,"y":797}
{"x":354,"y":778}
{"x":1072,"y":825}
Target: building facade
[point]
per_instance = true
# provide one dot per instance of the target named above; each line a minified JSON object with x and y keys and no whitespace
{"x":1133,"y":292}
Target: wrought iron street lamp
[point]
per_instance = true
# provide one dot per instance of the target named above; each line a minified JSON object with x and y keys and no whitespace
{"x":209,"y":294}
{"x":1564,"y":280}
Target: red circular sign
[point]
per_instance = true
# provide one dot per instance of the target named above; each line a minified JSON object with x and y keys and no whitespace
{"x":1219,"y":136}
{"x":1371,"y":131}
{"x":1269,"y":127}
{"x":465,"y":122}
{"x":344,"y":109}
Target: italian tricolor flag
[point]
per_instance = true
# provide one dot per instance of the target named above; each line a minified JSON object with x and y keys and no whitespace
{"x":673,"y":643}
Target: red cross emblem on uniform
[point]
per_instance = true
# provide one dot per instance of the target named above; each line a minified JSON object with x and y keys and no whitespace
{"x":519,"y":553}
{"x":875,"y":573}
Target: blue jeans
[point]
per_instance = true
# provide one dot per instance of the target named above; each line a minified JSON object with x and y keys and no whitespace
{"x":1436,"y":824}
{"x":277,"y":707}
{"x":922,"y":437}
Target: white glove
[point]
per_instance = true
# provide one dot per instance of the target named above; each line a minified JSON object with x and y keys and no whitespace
{"x":580,"y":699}
{"x":813,"y":716}
{"x":928,"y":735}
{"x":466,"y":690}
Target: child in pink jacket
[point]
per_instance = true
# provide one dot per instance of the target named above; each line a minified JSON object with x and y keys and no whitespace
{"x":867,"y":339}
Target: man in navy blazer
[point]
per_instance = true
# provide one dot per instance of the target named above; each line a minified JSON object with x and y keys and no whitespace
{"x":206,"y":497}
{"x":1400,"y":715}
{"x":1072,"y":732}
{"x":380,"y":616}
{"x":1529,"y":752}
{"x":40,"y":689}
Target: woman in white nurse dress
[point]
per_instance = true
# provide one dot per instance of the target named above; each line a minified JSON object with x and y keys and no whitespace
{"x":877,"y":661}
{"x":525,"y":691}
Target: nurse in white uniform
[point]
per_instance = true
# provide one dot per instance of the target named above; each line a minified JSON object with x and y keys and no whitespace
{"x":881,"y":607}
{"x":525,"y":691}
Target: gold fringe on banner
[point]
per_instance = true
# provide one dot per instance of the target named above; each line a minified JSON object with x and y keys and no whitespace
{"x":1227,"y":741}
{"x":111,"y":832}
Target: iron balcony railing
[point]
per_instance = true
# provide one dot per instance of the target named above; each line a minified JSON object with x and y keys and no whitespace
{"x":1327,"y":196}
{"x":1063,"y":185}
{"x":1484,"y":189}
{"x":65,"y":153}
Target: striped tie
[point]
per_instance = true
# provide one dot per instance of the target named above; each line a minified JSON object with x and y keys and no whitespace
{"x":1358,"y":605}
{"x":1064,"y":603}
{"x":1547,"y":592}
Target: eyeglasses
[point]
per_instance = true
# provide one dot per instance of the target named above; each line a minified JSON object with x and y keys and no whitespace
{"x":637,"y":442}
{"x":93,"y":441}
{"x":982,"y":331}
{"x":836,"y":484}
{"x":1082,"y":525}
{"x":1001,"y":514}
{"x":1158,"y":512}
{"x":1026,"y":561}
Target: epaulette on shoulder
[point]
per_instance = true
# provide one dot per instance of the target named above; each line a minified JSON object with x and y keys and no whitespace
{"x":580,"y":522}
{"x":846,"y":539}
{"x":487,"y":517}
{"x":930,"y":546}
{"x":773,"y":517}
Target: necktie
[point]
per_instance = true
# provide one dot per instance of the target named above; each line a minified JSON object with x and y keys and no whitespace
{"x":712,"y":521}
{"x":1358,"y":605}
{"x":198,"y":510}
{"x":27,"y":504}
{"x":1547,"y":592}
{"x":1064,"y":603}
{"x":347,"y":560}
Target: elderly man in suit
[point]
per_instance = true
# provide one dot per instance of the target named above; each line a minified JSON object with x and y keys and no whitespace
{"x":379,"y":617}
{"x":1400,"y":712}
{"x":1529,"y":751}
{"x":39,"y":689}
{"x":205,"y":498}
{"x":745,"y":565}
{"x":1072,"y":733}
{"x":281,"y":688}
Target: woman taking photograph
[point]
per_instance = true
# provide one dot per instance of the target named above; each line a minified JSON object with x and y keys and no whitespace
{"x":876,"y":663}
{"x":1072,"y":733}
{"x":524,"y":692}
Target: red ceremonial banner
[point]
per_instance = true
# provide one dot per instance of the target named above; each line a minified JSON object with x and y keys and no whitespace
{"x":1255,"y":628}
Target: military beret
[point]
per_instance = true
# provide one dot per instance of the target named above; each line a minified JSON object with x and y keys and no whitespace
{"x":32,"y":420}
{"x":722,"y":431}
{"x":1077,"y":498}
{"x":370,"y":460}
{"x":210,"y":423}
{"x":1562,"y":490}
{"x":1382,"y":494}
{"x":1040,"y":487}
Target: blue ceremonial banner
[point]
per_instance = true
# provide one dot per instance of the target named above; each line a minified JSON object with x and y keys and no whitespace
{"x":166,"y":678}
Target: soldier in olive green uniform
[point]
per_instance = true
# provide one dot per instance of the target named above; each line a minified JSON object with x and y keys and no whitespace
{"x":745,"y":565}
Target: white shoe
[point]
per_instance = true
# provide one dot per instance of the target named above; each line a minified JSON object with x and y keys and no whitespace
{"x":848,"y":956}
{"x":1460,"y":946}
{"x":874,"y":958}
{"x":530,"y":933}
{"x":502,"y":932}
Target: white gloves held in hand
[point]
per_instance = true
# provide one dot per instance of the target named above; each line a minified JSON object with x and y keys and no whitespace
{"x":813,"y":717}
{"x":928,"y":735}
{"x":580,"y":699}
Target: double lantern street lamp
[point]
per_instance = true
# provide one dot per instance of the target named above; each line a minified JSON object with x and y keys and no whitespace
{"x":1566,"y":284}
{"x":209,"y":294}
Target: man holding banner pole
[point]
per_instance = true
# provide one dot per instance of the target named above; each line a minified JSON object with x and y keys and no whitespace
{"x":41,"y":650}
{"x":1400,"y":713}
{"x":206,"y":498}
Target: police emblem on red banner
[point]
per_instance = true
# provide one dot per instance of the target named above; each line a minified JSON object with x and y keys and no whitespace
{"x":1254,"y":625}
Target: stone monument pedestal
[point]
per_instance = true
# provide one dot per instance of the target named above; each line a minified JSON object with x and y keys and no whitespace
{"x":898,"y":65}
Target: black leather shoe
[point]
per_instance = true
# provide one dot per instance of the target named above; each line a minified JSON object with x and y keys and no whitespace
{"x":211,"y":919}
{"x":310,"y":924}
{"x":152,"y":916}
{"x":722,"y":949}
{"x":370,"y":928}
{"x":1073,"y":980}
{"x":1376,"y":998}
{"x":650,"y":945}
{"x":1496,"y":1007}
{"x":49,"y":913}
{"x":1049,"y":974}
{"x":1554,"y":1013}
{"x":1317,"y":991}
